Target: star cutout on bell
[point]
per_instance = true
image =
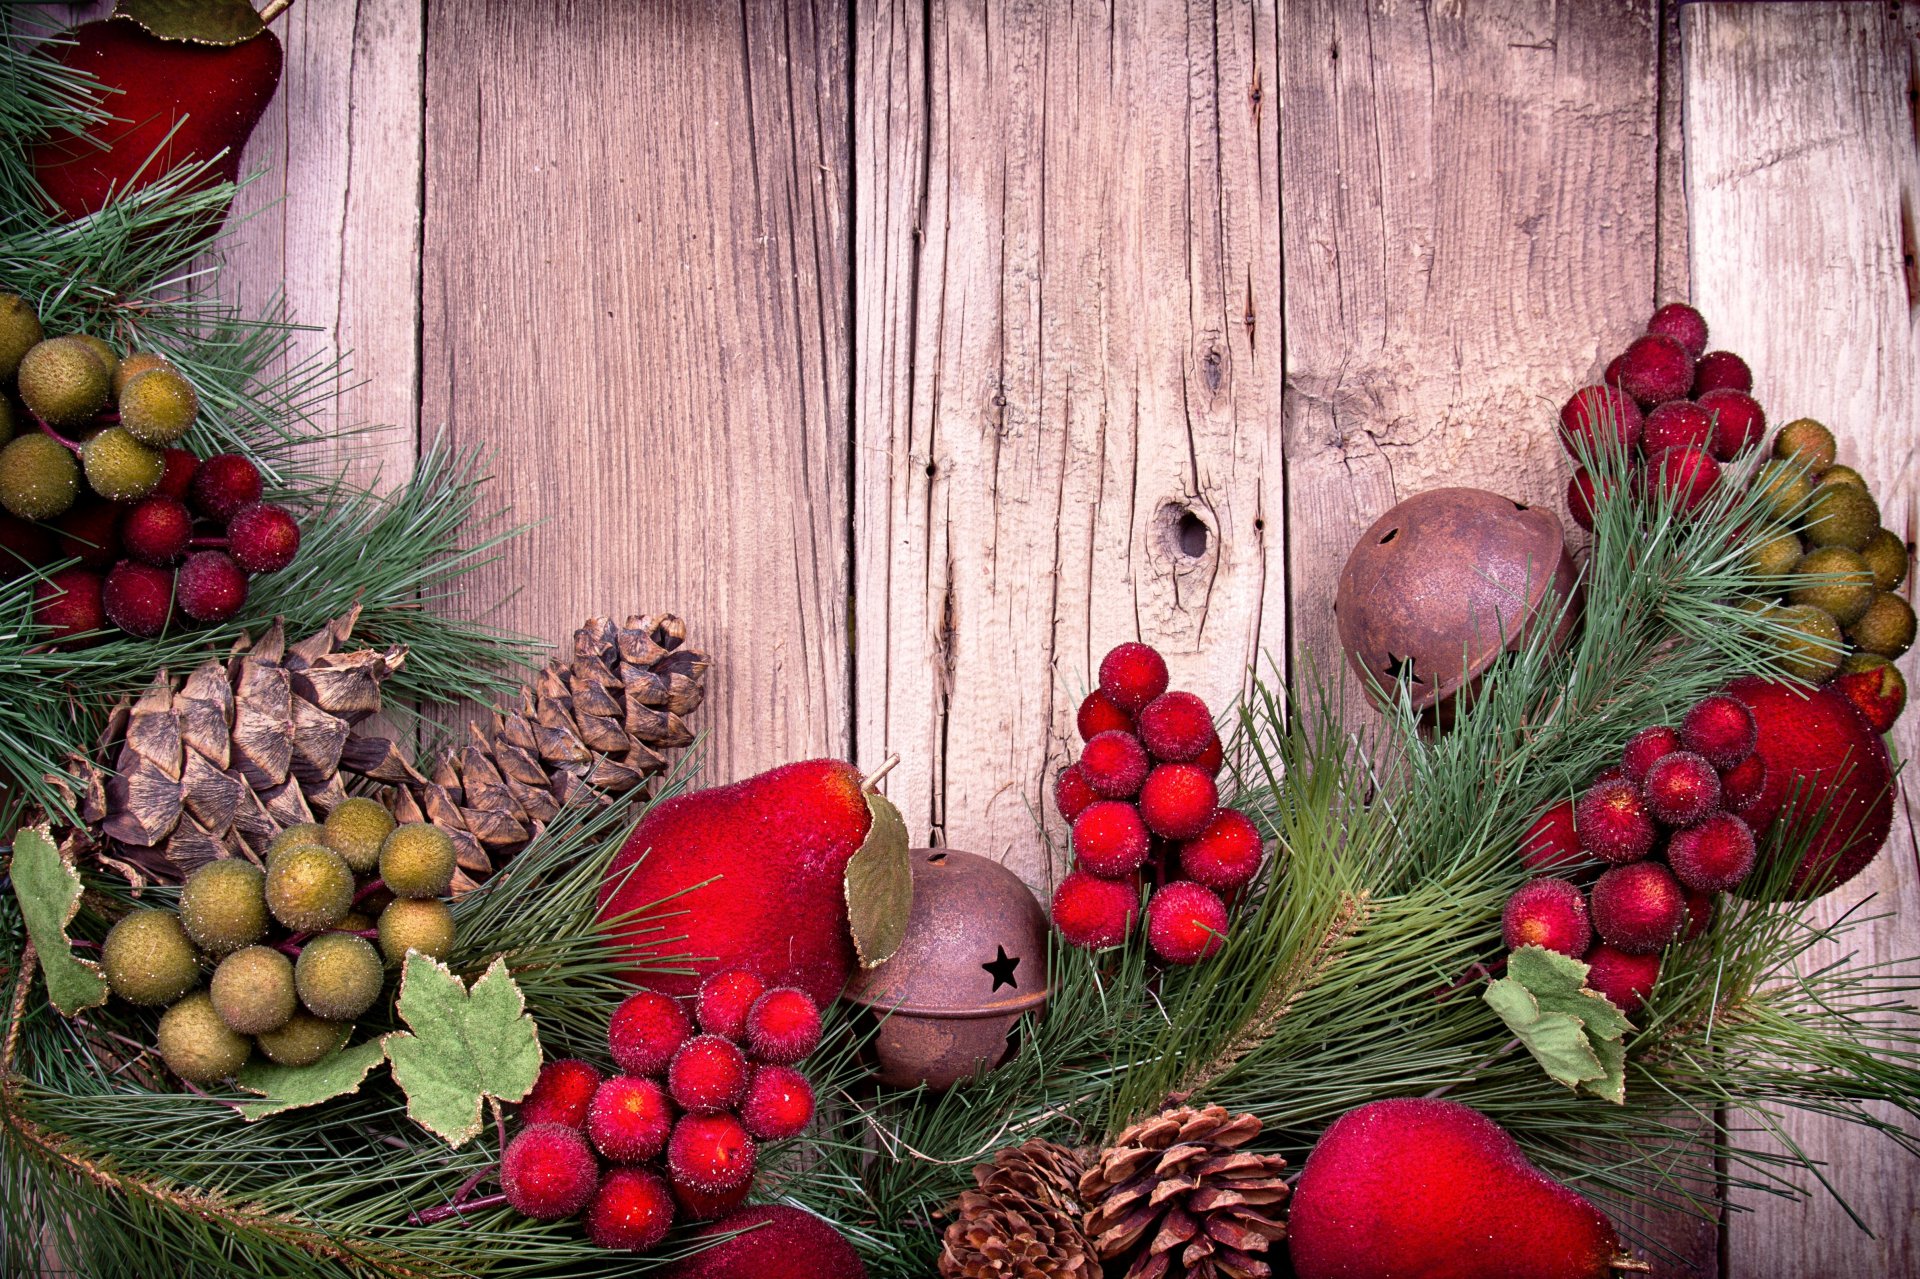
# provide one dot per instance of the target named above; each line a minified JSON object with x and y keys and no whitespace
{"x":1002,"y":966}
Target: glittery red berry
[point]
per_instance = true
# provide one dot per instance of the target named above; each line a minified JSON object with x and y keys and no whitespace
{"x":548,"y":1172}
{"x":223,"y":484}
{"x":176,"y":475}
{"x":138,"y":598}
{"x":263,"y":538}
{"x":1611,"y":773}
{"x":629,"y":1118}
{"x":1178,"y":800}
{"x":1645,"y":748}
{"x":1584,"y":497}
{"x":1699,"y":911}
{"x":1114,"y":764}
{"x":1109,"y":839}
{"x":1742,"y":785}
{"x":1612,"y":822}
{"x":1686,"y":476}
{"x":1133,"y":675}
{"x":1098,"y":715}
{"x":778,"y":1104}
{"x":1712,"y":855}
{"x":711,"y":1153}
{"x":707,"y":1075}
{"x":1625,"y":979}
{"x":631,"y":1212}
{"x":212,"y":588}
{"x":1175,"y":727}
{"x":1654,"y":369}
{"x":1597,"y":415}
{"x":700,"y":1205}
{"x":1738,"y":422}
{"x":645,"y":1032}
{"x":1550,"y":843}
{"x":1071,"y":793}
{"x":1721,"y":371}
{"x":1681,"y":788}
{"x":721,"y":1006}
{"x":561,"y":1093}
{"x":157,"y":530}
{"x":1226,"y":854}
{"x":783,"y":1026}
{"x":1094,"y":913}
{"x":23,"y":545}
{"x":1683,"y":324}
{"x":1677,"y":424}
{"x":68,"y":603}
{"x":1212,"y":758}
{"x":1186,"y":922}
{"x":1721,"y":728}
{"x":90,"y":533}
{"x":1550,"y":913}
{"x":1638,"y":908}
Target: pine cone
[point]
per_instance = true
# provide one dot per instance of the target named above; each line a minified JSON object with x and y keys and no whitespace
{"x":1022,"y":1221}
{"x":1176,"y":1196}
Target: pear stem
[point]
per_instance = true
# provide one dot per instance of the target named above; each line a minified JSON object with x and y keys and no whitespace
{"x":1624,"y":1262}
{"x":273,"y":9}
{"x":872,"y":779}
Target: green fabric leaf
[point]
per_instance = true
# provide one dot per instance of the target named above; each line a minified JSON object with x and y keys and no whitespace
{"x":879,"y":885}
{"x":49,"y":892}
{"x":1575,"y":1033}
{"x":291,"y":1087}
{"x":217,"y":22}
{"x":466,"y":1046}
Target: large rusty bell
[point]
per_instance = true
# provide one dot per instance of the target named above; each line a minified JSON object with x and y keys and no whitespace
{"x":1442,"y":585}
{"x":973,"y":961}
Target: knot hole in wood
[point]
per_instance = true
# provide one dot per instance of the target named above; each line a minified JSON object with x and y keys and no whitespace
{"x":1182,"y":533}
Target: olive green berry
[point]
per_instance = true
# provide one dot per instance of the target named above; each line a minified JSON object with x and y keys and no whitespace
{"x":119,"y":467}
{"x":149,"y":959}
{"x":1886,"y":555}
{"x":338,"y":976}
{"x":1885,"y":627}
{"x":39,"y":478}
{"x":103,"y":352}
{"x":1844,"y":587}
{"x":1775,"y":557}
{"x":20,"y":332}
{"x":309,"y":888}
{"x":1784,"y":489}
{"x":223,"y":906}
{"x":1813,"y":645}
{"x":253,"y":990}
{"x":417,"y":860}
{"x":197,"y":1045}
{"x":158,"y":406}
{"x":304,"y":1040}
{"x":1837,"y":474}
{"x":133,"y":366}
{"x":1806,"y":441}
{"x":299,"y":835}
{"x":63,"y":382}
{"x":1842,"y":515}
{"x":356,"y":830}
{"x":424,"y":924}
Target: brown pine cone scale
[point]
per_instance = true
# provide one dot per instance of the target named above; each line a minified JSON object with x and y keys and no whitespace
{"x":1021,"y":1220}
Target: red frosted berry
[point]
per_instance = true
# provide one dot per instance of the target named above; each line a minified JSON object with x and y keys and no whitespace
{"x":1098,"y":715}
{"x":1186,"y":922}
{"x":1612,"y":376}
{"x":1681,"y":788}
{"x":778,"y":1104}
{"x":1721,"y":728}
{"x":561,"y":1094}
{"x":90,"y":533}
{"x":1114,"y":764}
{"x":708,"y":1074}
{"x":548,"y":1173}
{"x":628,"y":1119}
{"x":1584,"y":497}
{"x":1645,"y":748}
{"x":1655,"y":369}
{"x":1738,"y":422}
{"x":1683,"y":324}
{"x":711,"y":1153}
{"x":263,"y":538}
{"x":68,"y":603}
{"x":631,"y":1212}
{"x":1550,"y":842}
{"x":212,"y":588}
{"x":1109,"y":839}
{"x":1611,"y":773}
{"x":176,"y":476}
{"x":1612,"y":822}
{"x":138,"y":598}
{"x":1550,"y":913}
{"x":1677,"y":424}
{"x":1686,"y":476}
{"x":1596,"y":414}
{"x":1071,"y":793}
{"x":1226,"y":854}
{"x":1175,"y":727}
{"x":1094,"y":913}
{"x":645,"y":1032}
{"x":1721,"y":371}
{"x":23,"y":545}
{"x":783,"y":1026}
{"x":1713,"y":855}
{"x":223,"y":484}
{"x":1742,"y":785}
{"x":1133,"y":675}
{"x":721,"y":1006}
{"x":698,"y":1205}
{"x":1212,"y":758}
{"x":1638,"y":908}
{"x":1625,"y":979}
{"x":1178,"y":800}
{"x":157,"y":530}
{"x":1699,"y":910}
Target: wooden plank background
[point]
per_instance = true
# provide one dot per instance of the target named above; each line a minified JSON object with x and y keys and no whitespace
{"x":918,"y":350}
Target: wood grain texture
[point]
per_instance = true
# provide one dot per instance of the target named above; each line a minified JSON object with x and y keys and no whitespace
{"x":1801,"y":174}
{"x":635,"y":296}
{"x":1068,"y":382}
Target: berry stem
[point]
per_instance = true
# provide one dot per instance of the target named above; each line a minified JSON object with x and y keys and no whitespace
{"x":56,"y":437}
{"x":372,"y":886}
{"x":444,"y":1211}
{"x":109,"y":417}
{"x":291,"y":946}
{"x":367,"y":934}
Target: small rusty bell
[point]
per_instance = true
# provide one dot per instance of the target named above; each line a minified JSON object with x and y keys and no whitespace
{"x":1442,"y":585}
{"x":973,"y":961}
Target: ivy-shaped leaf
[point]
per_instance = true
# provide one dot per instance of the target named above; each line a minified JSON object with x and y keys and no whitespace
{"x":466,"y":1046}
{"x":212,"y":22}
{"x":291,"y":1087}
{"x":879,"y":885}
{"x":1573,"y":1031}
{"x":49,"y":892}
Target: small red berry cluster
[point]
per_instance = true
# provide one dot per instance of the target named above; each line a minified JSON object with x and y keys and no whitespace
{"x":1142,"y":800}
{"x":1674,"y":822}
{"x":1683,"y":408}
{"x":184,"y":551}
{"x":678,"y":1124}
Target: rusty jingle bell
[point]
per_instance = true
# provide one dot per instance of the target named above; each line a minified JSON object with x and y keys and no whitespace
{"x":974,"y":960}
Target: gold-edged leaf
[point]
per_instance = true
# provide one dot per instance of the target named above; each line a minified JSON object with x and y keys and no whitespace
{"x":879,"y":885}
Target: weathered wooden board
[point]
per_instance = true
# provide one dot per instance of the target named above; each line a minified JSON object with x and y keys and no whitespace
{"x":1067,"y":281}
{"x":635,"y":297}
{"x":1801,"y":174}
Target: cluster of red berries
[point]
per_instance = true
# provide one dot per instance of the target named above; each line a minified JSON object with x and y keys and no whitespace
{"x":1142,"y":801}
{"x":1684,"y":409}
{"x":1672,"y":822}
{"x":185,"y":550}
{"x":678,"y":1124}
